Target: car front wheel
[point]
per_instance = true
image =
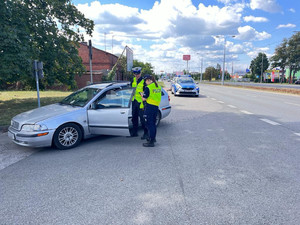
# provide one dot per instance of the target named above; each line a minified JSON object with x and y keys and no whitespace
{"x":67,"y":136}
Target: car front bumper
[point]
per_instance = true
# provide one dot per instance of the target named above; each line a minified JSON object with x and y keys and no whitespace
{"x":187,"y":92}
{"x":31,"y":139}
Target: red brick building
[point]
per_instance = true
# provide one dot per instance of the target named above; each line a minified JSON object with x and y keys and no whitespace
{"x":102,"y":62}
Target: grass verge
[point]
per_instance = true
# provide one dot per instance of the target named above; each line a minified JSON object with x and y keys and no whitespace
{"x":15,"y":102}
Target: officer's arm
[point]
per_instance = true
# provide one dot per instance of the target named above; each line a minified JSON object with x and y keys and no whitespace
{"x":146,"y":93}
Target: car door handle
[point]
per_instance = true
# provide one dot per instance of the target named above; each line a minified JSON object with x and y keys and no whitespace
{"x":122,"y":112}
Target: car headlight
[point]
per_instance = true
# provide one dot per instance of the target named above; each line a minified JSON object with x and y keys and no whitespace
{"x":34,"y":127}
{"x":178,"y":86}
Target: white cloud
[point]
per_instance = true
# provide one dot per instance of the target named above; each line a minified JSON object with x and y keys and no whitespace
{"x":255,"y":19}
{"x":289,"y":25}
{"x":226,"y":2}
{"x":167,"y":18}
{"x":171,"y":28}
{"x":254,"y":53}
{"x":250,"y":34}
{"x":265,"y":5}
{"x":292,"y":10}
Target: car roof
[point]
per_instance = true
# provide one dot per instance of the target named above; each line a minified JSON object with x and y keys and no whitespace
{"x":105,"y":85}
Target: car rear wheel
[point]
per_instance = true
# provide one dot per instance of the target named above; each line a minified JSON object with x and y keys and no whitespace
{"x":67,"y":136}
{"x":158,"y":118}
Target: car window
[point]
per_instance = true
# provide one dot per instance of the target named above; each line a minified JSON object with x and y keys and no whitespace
{"x":186,"y":80}
{"x":80,"y":97}
{"x":115,"y":98}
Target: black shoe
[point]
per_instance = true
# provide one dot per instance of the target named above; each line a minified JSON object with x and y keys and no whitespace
{"x":148,"y":139}
{"x":149,"y":144}
{"x":145,"y":136}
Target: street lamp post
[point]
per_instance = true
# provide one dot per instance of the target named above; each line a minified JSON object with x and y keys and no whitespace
{"x":201,"y":66}
{"x":223,"y":71}
{"x":201,"y":70}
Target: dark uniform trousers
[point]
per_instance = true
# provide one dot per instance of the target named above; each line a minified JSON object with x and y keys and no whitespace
{"x":150,"y":115}
{"x":136,"y":114}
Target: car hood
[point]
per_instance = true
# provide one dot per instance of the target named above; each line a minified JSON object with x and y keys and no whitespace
{"x":45,"y":112}
{"x":187,"y":85}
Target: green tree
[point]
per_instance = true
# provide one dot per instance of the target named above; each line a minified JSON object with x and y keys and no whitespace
{"x":210,"y":73}
{"x":259,"y":64}
{"x":280,"y":57}
{"x":121,"y":65}
{"x":46,"y":30}
{"x":147,"y":68}
{"x":293,"y":51}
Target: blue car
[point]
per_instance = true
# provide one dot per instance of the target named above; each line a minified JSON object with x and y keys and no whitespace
{"x":185,"y":85}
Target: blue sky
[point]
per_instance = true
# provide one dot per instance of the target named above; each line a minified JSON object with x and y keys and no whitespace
{"x":160,"y":32}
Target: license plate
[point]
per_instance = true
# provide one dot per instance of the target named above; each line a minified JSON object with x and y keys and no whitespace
{"x":11,"y":135}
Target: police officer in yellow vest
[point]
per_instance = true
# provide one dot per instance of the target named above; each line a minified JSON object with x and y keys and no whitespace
{"x":152,"y":95}
{"x":137,"y":103}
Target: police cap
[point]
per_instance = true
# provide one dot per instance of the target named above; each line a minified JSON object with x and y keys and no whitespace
{"x":136,"y":70}
{"x":147,"y":76}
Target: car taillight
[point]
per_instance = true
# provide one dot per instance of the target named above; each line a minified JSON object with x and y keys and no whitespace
{"x":169,"y":97}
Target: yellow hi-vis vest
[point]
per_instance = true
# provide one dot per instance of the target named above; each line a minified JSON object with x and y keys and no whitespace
{"x":155,"y":94}
{"x":138,"y":90}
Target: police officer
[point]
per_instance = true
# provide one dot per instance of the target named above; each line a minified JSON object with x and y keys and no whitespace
{"x":137,"y":103}
{"x":152,"y":95}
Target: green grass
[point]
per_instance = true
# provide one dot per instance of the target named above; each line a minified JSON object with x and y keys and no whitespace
{"x":161,"y":83}
{"x":15,"y":102}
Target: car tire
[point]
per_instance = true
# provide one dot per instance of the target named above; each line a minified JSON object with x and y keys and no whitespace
{"x":67,"y":136}
{"x":158,"y":118}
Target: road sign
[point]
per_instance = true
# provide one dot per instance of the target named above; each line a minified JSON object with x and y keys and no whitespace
{"x":186,"y":57}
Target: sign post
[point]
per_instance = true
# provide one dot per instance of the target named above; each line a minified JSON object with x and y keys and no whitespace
{"x":91,"y":56}
{"x":37,"y":66}
{"x":187,"y":58}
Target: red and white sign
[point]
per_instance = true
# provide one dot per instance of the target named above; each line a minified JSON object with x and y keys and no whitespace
{"x":186,"y":57}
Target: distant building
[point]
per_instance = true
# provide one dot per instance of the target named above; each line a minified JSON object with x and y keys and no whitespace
{"x":102,"y":63}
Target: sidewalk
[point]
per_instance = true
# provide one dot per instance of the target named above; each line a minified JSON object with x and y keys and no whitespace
{"x":10,"y":152}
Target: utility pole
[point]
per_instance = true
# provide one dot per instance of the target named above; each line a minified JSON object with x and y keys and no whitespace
{"x":262,"y":65}
{"x":91,"y":56}
{"x":223,"y":71}
{"x":232,"y":69}
{"x":112,"y":43}
{"x":105,"y":41}
{"x":201,"y":69}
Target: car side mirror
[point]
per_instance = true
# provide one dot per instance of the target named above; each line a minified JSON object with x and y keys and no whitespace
{"x":94,"y":105}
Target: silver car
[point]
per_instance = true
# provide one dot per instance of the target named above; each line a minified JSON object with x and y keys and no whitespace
{"x":99,"y":109}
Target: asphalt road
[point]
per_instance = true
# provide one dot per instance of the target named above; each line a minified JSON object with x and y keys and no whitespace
{"x":230,"y":156}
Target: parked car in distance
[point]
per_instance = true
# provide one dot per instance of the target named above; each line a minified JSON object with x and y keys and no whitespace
{"x":184,"y":85}
{"x":99,"y":109}
{"x":297,"y":82}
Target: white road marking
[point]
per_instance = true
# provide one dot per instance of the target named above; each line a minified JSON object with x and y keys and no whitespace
{"x":213,"y":99}
{"x":270,"y":122}
{"x":232,"y":106}
{"x":297,"y":134}
{"x":292,"y":103}
{"x":221,"y":102}
{"x":246,"y":112}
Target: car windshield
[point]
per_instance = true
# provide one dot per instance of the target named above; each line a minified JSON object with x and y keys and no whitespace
{"x":186,"y":80}
{"x":80,"y":97}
